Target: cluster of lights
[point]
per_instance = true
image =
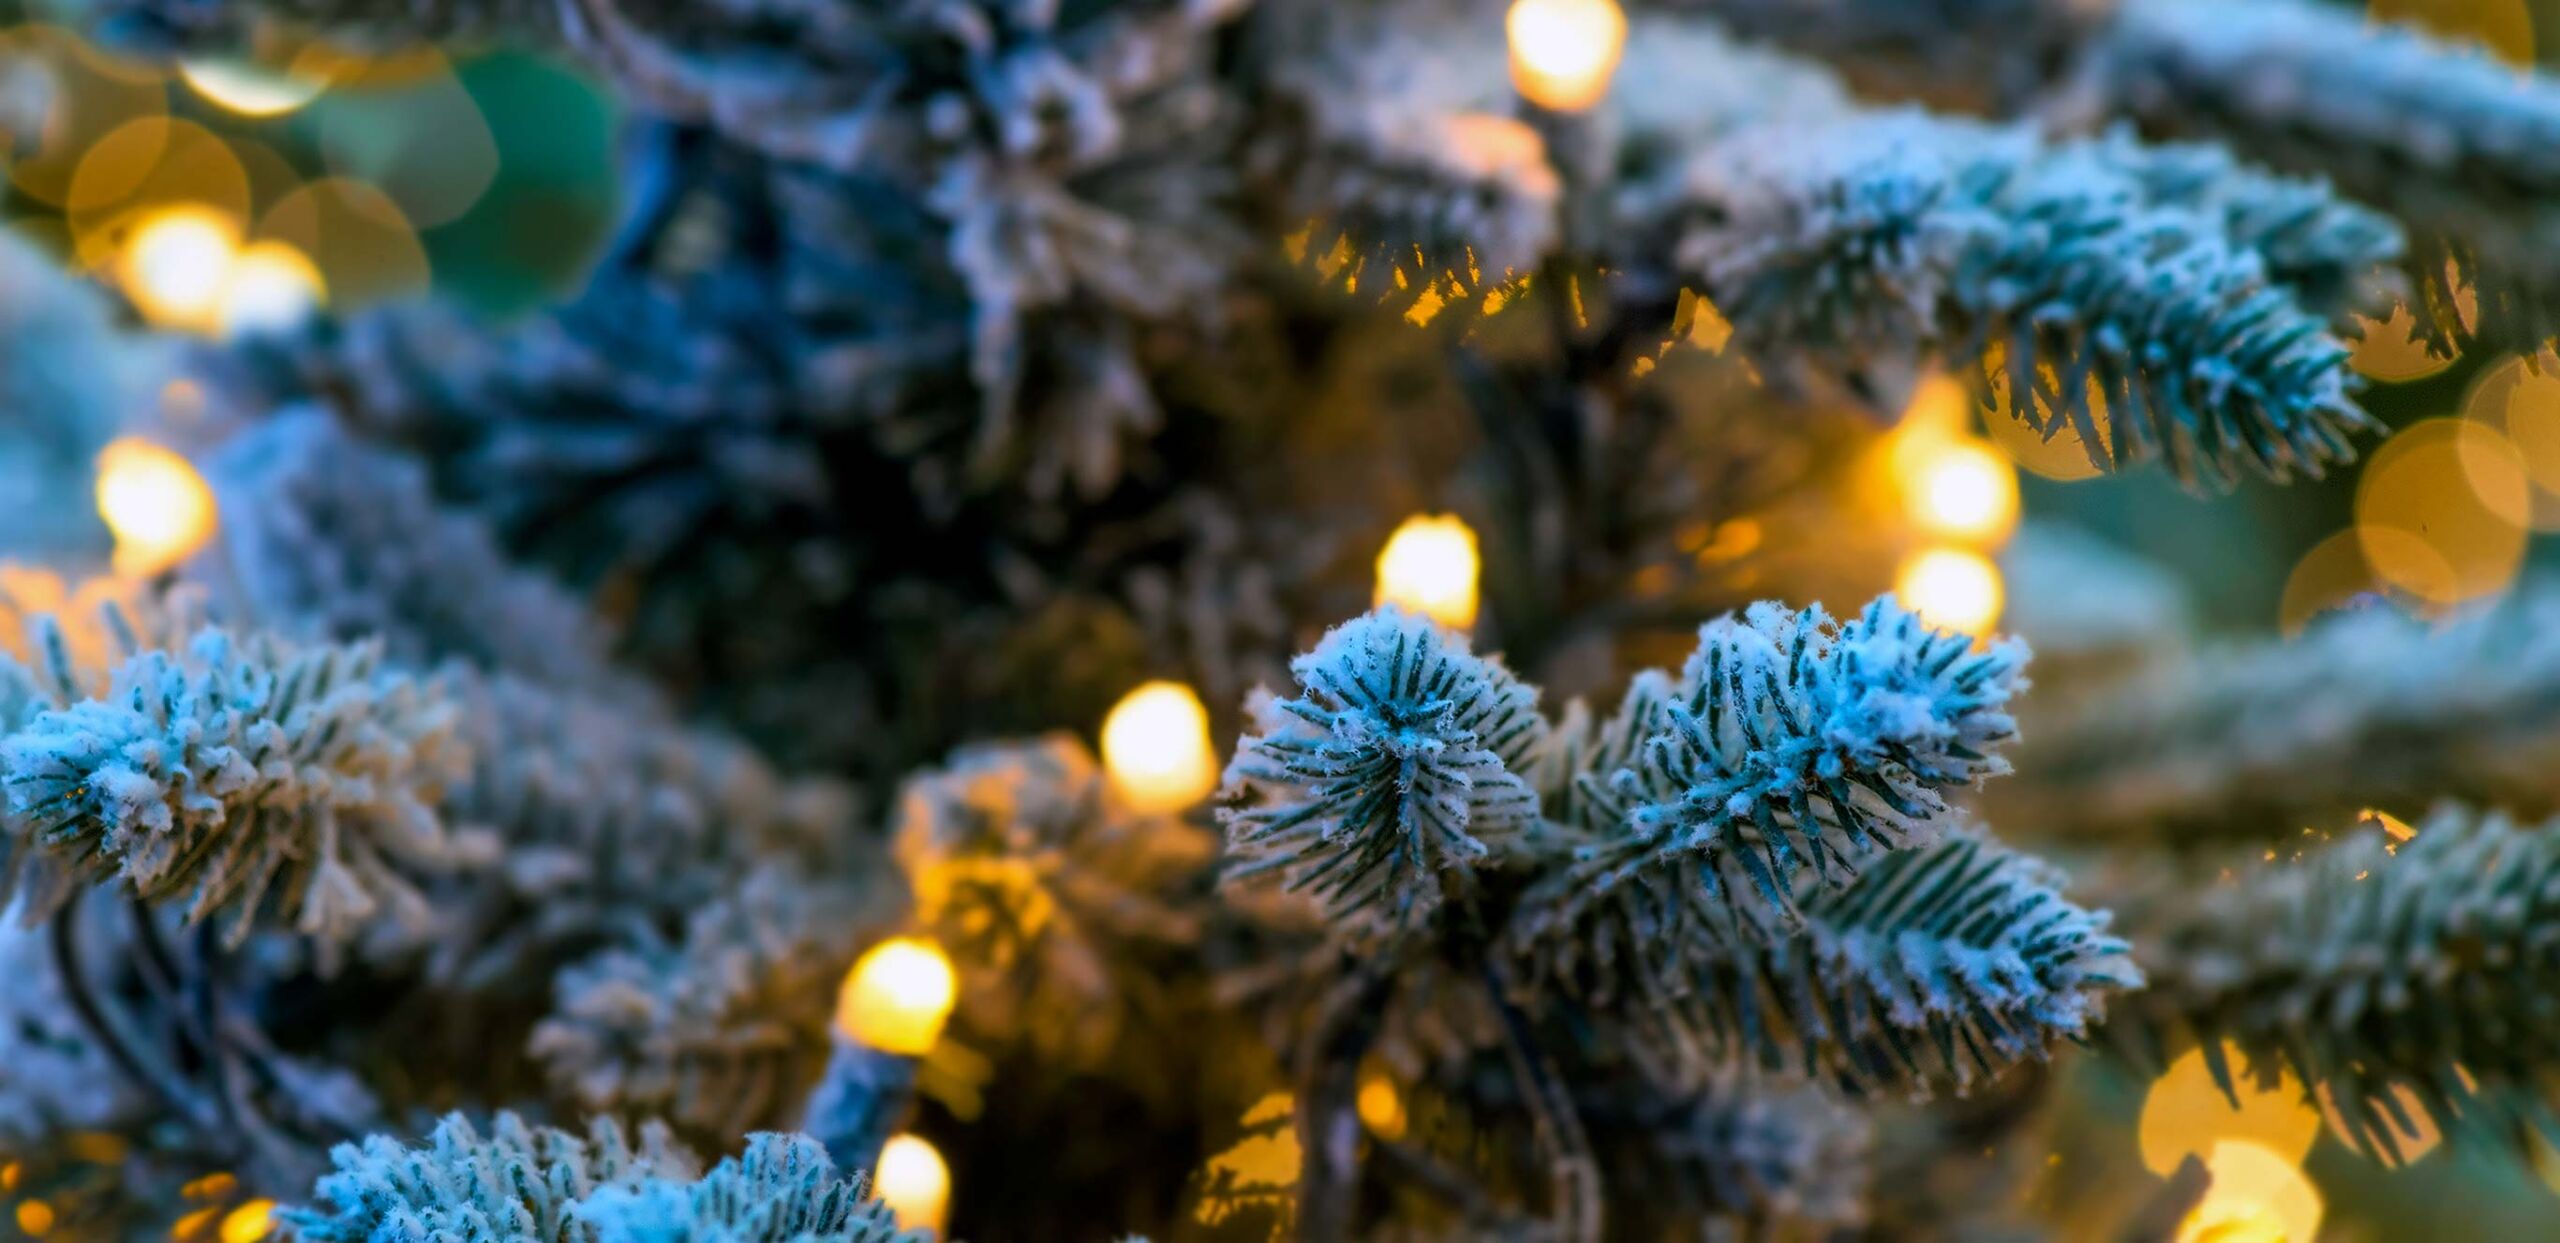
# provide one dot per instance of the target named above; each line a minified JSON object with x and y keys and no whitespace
{"x":219,"y":233}
{"x":895,"y":1002}
{"x":1960,"y":493}
{"x":1156,"y":749}
{"x":185,"y":267}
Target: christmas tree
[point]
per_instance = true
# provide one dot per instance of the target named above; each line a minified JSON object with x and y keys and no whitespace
{"x":1226,"y":619}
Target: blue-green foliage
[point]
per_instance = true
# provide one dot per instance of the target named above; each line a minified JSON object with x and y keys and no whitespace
{"x":69,"y":382}
{"x":1398,"y":764}
{"x":1763,"y":865}
{"x":1765,"y":1148}
{"x":242,"y":776}
{"x":344,"y":540}
{"x":2330,"y":252}
{"x":2462,"y":148}
{"x":519,"y":1183}
{"x":2397,"y":976}
{"x":1752,"y":862}
{"x":717,"y":1032}
{"x":1055,"y":899}
{"x":2077,"y":278}
{"x":2253,"y":739}
{"x":782,"y":1189}
{"x":1938,"y":968}
{"x":1792,"y":749}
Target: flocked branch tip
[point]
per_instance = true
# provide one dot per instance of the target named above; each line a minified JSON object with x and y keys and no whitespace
{"x":1398,"y":763}
{"x":1792,"y":750}
{"x":243,"y":776}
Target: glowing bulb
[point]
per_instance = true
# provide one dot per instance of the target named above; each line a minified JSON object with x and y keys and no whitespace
{"x":247,"y":89}
{"x":1155,"y":746}
{"x":897,"y":996}
{"x":1963,"y":490}
{"x":1429,"y":566}
{"x":1951,"y":588}
{"x":176,"y":263}
{"x":1380,"y":1105}
{"x":1563,"y":52}
{"x":249,"y":1223}
{"x":156,"y":504}
{"x":2257,"y":1196}
{"x":913,"y":1182}
{"x":272,"y":288}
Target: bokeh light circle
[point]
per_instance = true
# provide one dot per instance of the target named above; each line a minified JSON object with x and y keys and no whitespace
{"x":2457,"y":487}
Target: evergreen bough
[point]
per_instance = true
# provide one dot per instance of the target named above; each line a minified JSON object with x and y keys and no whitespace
{"x":2076,"y":280}
{"x":1938,"y":969}
{"x":1791,"y":750}
{"x":2463,"y":149}
{"x":241,"y":776}
{"x":2394,"y":977}
{"x":517,"y":1183}
{"x":1397,"y":765}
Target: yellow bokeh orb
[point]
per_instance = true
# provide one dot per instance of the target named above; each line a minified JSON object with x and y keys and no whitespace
{"x":2336,"y":573}
{"x":1156,"y":750}
{"x":1430,"y":566}
{"x":914,"y":1182}
{"x":247,"y":88}
{"x":1563,"y":52}
{"x":1952,"y":588}
{"x":2185,"y":1113}
{"x":176,"y":263}
{"x":2389,"y":349}
{"x":2520,"y":400}
{"x":252,"y":1221}
{"x":159,"y":509}
{"x":1380,"y":1104}
{"x":897,"y":997}
{"x":2257,"y":1196}
{"x":2459,"y":489}
{"x":272,"y":287}
{"x":1963,"y":490}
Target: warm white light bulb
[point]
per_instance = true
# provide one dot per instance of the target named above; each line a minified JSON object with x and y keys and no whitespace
{"x":1963,"y":490}
{"x":1380,"y":1105}
{"x":2256,"y":1196}
{"x":1430,"y":566}
{"x":248,"y":89}
{"x":156,"y":504}
{"x":913,"y":1181}
{"x":1952,"y":588}
{"x":1155,"y":746}
{"x":1563,"y":52}
{"x":252,"y":1221}
{"x":176,"y":263}
{"x":897,"y":997}
{"x":272,"y":287}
